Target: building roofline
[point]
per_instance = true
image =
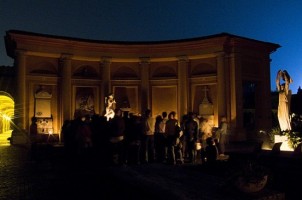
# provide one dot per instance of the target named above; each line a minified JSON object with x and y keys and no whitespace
{"x":223,"y":34}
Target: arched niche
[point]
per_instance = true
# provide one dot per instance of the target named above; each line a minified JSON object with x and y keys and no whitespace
{"x":85,"y":71}
{"x":202,"y":69}
{"x":44,"y":68}
{"x":125,"y":72}
{"x":164,"y":72}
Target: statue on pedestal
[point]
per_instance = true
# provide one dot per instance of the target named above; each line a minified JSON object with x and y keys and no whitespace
{"x":109,"y":103}
{"x":206,"y":108}
{"x":284,"y":99}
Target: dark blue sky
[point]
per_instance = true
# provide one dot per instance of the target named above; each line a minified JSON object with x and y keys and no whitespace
{"x":276,"y":21}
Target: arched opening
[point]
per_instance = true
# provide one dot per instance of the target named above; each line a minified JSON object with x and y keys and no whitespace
{"x":7,"y":105}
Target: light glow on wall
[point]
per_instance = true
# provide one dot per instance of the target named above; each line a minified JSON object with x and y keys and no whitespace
{"x":285,"y":142}
{"x":6,"y":113}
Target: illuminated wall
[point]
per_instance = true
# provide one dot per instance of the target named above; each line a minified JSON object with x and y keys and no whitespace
{"x":7,"y":107}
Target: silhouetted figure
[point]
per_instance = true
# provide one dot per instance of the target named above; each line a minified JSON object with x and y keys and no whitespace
{"x":133,"y":138}
{"x":117,"y":131}
{"x":172,"y":132}
{"x":191,"y":134}
{"x":158,"y":139}
{"x":67,"y":136}
{"x":83,"y":136}
{"x":211,"y":152}
{"x":148,"y":141}
{"x":33,"y":134}
{"x":162,"y":130}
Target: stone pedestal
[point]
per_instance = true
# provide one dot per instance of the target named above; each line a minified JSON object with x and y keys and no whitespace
{"x":285,"y":142}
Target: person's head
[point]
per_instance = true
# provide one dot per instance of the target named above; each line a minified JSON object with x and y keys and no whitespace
{"x":158,"y":118}
{"x":210,"y":141}
{"x":164,"y":114}
{"x":190,"y":115}
{"x":34,"y":120}
{"x":172,"y":115}
{"x":148,"y":113}
{"x":223,"y":119}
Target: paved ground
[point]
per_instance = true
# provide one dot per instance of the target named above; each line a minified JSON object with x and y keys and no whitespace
{"x":53,"y":176}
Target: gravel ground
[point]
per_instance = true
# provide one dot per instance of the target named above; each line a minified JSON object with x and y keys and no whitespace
{"x":53,"y":176}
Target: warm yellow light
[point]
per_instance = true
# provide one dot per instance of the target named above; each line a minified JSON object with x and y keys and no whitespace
{"x":6,"y":112}
{"x":6,"y":117}
{"x":50,"y":131}
{"x":285,"y":142}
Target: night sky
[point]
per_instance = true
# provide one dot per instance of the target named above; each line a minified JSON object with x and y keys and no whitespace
{"x":276,"y":21}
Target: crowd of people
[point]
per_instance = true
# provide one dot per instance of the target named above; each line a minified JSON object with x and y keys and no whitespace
{"x":133,"y":139}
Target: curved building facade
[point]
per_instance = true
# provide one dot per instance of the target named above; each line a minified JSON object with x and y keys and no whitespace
{"x":60,"y":78}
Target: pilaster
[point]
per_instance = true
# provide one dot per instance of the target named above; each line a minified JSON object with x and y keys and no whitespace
{"x":145,"y":86}
{"x":182,"y":85}
{"x":236,"y":97}
{"x":21,"y":103}
{"x":222,"y":101}
{"x":65,"y":62}
{"x":106,"y":80}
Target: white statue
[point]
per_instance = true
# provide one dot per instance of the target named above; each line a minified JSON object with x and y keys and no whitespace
{"x":284,"y":99}
{"x":109,"y":102}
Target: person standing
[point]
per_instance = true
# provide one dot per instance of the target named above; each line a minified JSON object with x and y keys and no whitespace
{"x":117,"y":133}
{"x":33,"y":133}
{"x":148,"y":141}
{"x":222,"y":135}
{"x":172,"y":131}
{"x":205,"y":130}
{"x":211,"y":152}
{"x":162,"y":127}
{"x":191,"y":134}
{"x":158,"y":139}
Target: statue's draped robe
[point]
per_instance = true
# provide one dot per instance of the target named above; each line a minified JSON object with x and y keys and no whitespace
{"x":284,"y":99}
{"x":283,"y":111}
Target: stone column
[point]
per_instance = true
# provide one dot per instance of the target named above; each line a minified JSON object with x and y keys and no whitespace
{"x":182,"y":86}
{"x":21,"y":103}
{"x":236,"y":97}
{"x":263,"y":96}
{"x":106,"y":81}
{"x":145,"y":86}
{"x":65,"y":64}
{"x":222,"y":101}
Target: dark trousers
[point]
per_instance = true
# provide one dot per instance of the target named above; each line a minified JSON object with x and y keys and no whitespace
{"x":148,"y":148}
{"x":133,"y":150}
{"x":117,"y":152}
{"x":190,"y":145}
{"x":159,"y":142}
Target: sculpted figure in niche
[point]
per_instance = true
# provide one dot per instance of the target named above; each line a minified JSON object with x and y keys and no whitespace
{"x":110,"y":103}
{"x":84,"y":103}
{"x":282,"y":81}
